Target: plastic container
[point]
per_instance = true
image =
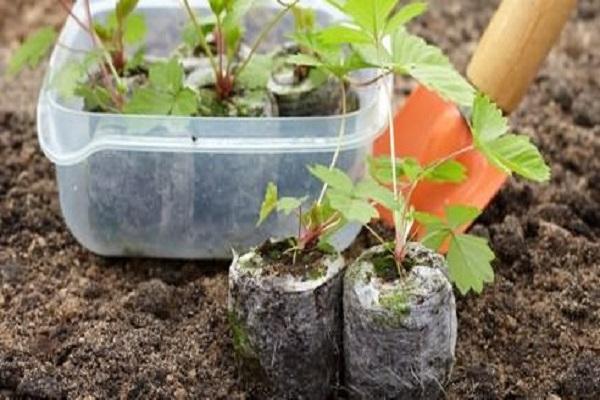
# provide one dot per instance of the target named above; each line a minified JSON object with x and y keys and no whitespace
{"x":179,"y":187}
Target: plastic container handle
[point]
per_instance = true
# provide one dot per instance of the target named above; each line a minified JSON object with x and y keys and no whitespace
{"x":512,"y":49}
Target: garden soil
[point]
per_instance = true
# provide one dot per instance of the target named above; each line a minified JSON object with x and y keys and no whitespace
{"x":74,"y":325}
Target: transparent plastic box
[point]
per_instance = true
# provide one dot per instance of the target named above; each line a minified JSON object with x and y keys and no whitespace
{"x":190,"y":188}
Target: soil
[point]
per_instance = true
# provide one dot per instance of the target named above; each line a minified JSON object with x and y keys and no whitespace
{"x":281,"y":259}
{"x":76,"y":325}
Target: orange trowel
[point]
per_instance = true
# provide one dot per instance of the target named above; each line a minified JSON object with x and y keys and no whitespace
{"x":509,"y":55}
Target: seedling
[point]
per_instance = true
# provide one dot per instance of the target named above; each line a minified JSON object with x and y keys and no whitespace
{"x":219,"y":38}
{"x":371,"y":26}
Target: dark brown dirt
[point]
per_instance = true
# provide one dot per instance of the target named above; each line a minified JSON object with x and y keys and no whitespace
{"x":78,"y":326}
{"x":281,"y":259}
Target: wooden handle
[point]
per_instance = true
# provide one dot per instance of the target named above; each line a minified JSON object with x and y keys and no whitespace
{"x":513,"y":47}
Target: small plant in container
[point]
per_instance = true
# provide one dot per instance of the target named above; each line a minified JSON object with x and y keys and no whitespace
{"x":285,"y":295}
{"x":153,"y":131}
{"x":399,"y":308}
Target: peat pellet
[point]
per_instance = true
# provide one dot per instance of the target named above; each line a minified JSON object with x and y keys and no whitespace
{"x":399,"y":335}
{"x":287,"y":330}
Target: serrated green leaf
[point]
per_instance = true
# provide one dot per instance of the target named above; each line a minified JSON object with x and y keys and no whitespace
{"x":516,"y":153}
{"x":487,"y":121}
{"x":437,"y":230}
{"x":137,"y":60}
{"x":32,"y":51}
{"x":509,"y":152}
{"x":304,"y":18}
{"x":448,"y":172}
{"x":185,"y":103}
{"x":149,"y":101}
{"x":167,"y":76}
{"x":236,"y":11}
{"x":404,"y":16}
{"x":459,"y":215}
{"x":353,"y":209}
{"x":342,"y":34}
{"x":371,"y":190}
{"x":380,"y":169}
{"x":427,"y":218}
{"x":370,"y":15}
{"x":124,"y":8}
{"x":67,"y":78}
{"x":469,"y":259}
{"x":135,"y":29}
{"x":269,"y":203}
{"x":430,"y":67}
{"x":436,"y":236}
{"x":335,"y":178}
{"x":375,"y":55}
{"x":95,"y":98}
{"x":257,"y":72}
{"x":304,"y":59}
{"x":288,"y":204}
{"x":412,"y":169}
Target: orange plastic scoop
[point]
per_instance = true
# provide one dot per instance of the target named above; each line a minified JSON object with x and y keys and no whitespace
{"x":507,"y":60}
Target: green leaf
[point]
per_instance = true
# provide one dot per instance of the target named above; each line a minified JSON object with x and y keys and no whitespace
{"x":335,"y":178}
{"x":149,"y":101}
{"x":427,"y":219}
{"x":32,"y":51}
{"x":450,"y":171}
{"x":135,"y":29}
{"x":341,"y":34}
{"x":289,"y":204}
{"x":137,"y":60}
{"x":185,"y":103}
{"x":95,"y":97}
{"x":371,"y":190}
{"x":404,"y":16}
{"x":487,"y":121}
{"x":217,"y":6}
{"x":516,"y":153}
{"x":430,"y":67}
{"x":459,"y":215}
{"x":167,"y":76}
{"x":236,"y":11}
{"x":375,"y":55}
{"x":412,"y":169}
{"x":257,"y":73}
{"x":437,"y":230}
{"x":67,"y":78}
{"x":124,"y":8}
{"x":370,"y":15}
{"x":105,"y":32}
{"x":352,"y":209}
{"x":380,"y":169}
{"x":304,"y":18}
{"x":304,"y":59}
{"x":509,"y":152}
{"x":469,"y":259}
{"x":269,"y":204}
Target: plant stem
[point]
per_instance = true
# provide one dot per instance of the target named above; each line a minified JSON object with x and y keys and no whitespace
{"x":341,"y":134}
{"x":108,"y":59}
{"x":89,"y":28}
{"x":414,"y":185}
{"x":372,"y":81}
{"x":264,"y":33}
{"x":399,"y":223}
{"x":201,"y":37}
{"x":375,"y":234}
